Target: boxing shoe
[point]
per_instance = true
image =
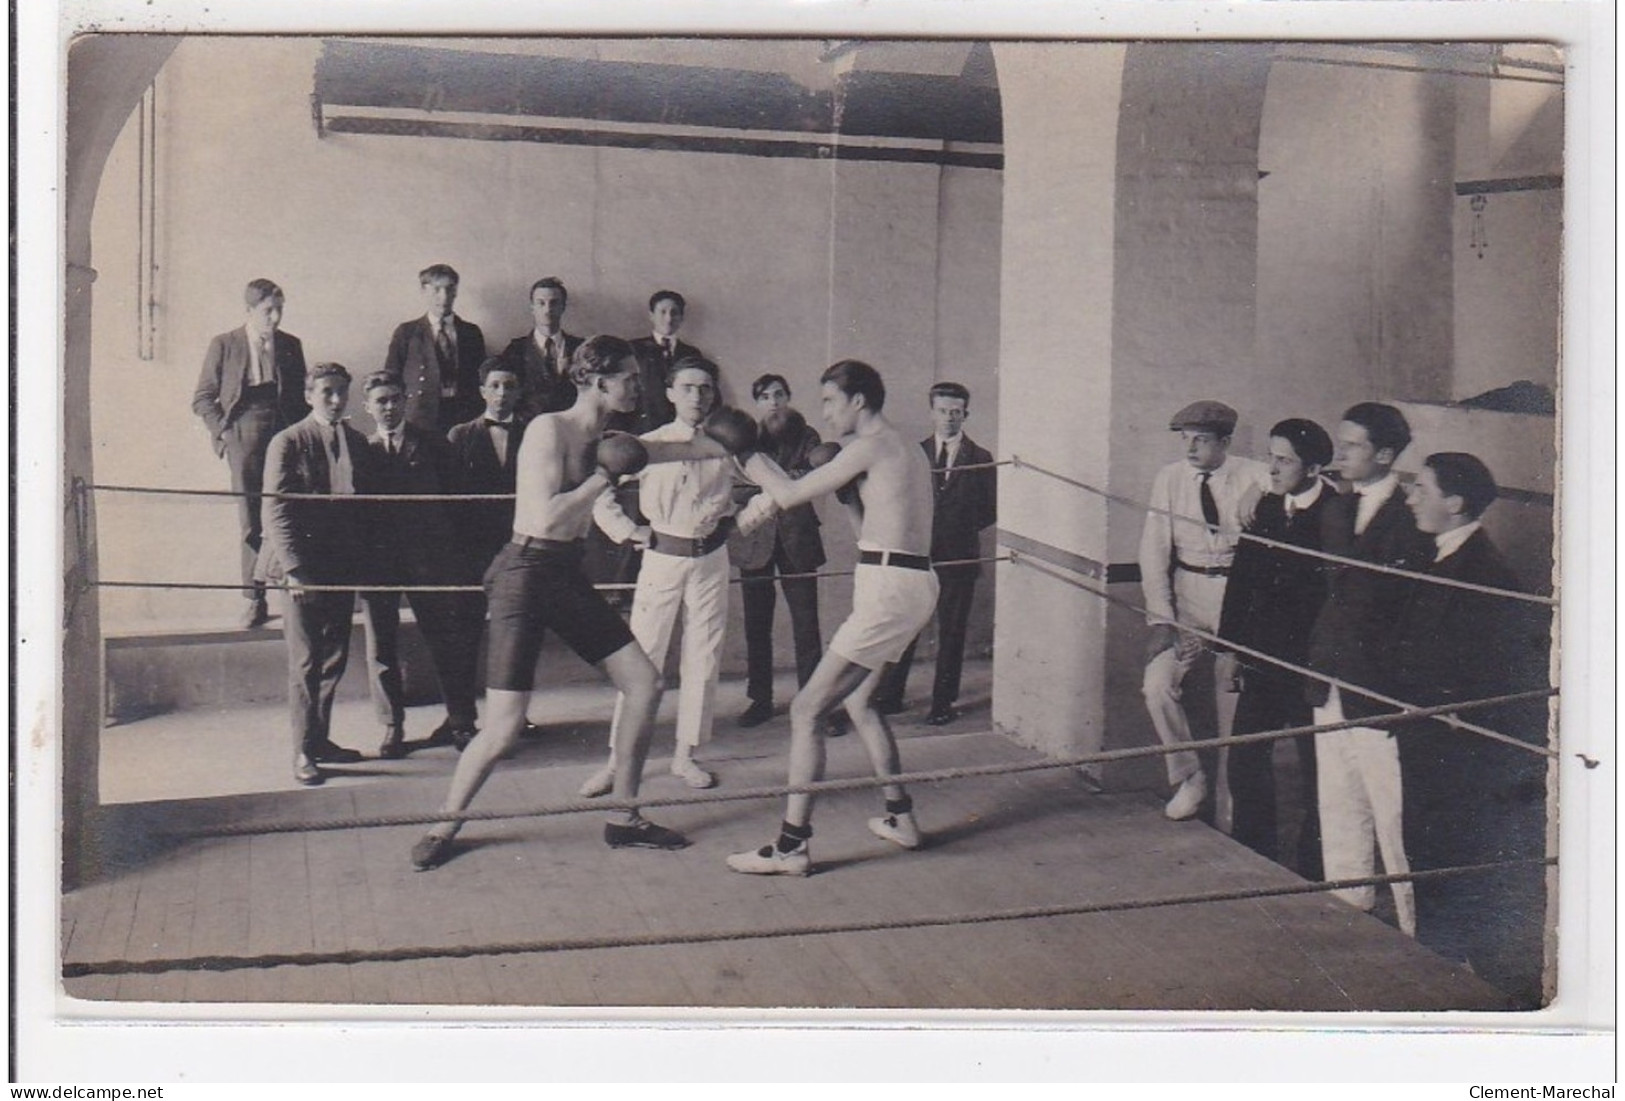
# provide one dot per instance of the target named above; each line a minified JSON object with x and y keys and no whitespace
{"x":599,"y":783}
{"x":899,"y":829}
{"x":768,"y":860}
{"x":642,"y":834}
{"x":1188,"y":798}
{"x":692,"y":774}
{"x":430,"y":852}
{"x":306,"y":772}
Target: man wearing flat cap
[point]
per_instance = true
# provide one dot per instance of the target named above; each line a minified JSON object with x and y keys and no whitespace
{"x":1197,"y":508}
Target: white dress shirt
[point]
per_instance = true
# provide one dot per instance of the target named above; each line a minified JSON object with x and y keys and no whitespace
{"x":1449,"y":542}
{"x":685,"y":499}
{"x":262,"y":367}
{"x":1177,"y":489}
{"x":1297,"y":502}
{"x":1372,"y":498}
{"x":937,"y":444}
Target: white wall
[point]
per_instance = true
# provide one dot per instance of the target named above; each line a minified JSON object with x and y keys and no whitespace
{"x":787,"y":264}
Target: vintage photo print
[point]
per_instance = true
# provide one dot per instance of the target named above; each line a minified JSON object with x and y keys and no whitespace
{"x":648,"y":530}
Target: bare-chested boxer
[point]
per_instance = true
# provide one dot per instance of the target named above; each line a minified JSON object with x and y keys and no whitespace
{"x":893,"y":595}
{"x":536,"y":583}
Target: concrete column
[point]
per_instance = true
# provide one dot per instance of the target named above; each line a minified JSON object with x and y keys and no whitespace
{"x":1055,"y":350}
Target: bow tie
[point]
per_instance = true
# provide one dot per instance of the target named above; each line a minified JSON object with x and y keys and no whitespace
{"x":504,"y":425}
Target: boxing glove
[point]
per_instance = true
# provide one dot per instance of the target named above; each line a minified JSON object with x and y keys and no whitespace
{"x":620,"y":454}
{"x":823,"y":453}
{"x":734,"y":429}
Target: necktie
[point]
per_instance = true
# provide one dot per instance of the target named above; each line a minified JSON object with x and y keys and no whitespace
{"x":1210,"y":507}
{"x":942,"y":465}
{"x":267,"y":360}
{"x":333,"y":447}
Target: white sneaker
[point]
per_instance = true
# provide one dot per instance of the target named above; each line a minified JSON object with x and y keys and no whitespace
{"x":691,"y":774}
{"x":768,"y":860}
{"x":599,"y":783}
{"x":1188,"y":799}
{"x":898,"y":829}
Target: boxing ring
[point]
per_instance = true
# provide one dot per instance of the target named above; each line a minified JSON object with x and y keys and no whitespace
{"x":1034,"y":891}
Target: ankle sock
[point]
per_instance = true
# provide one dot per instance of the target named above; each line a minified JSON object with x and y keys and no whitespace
{"x":899,"y":806}
{"x":792,"y":837}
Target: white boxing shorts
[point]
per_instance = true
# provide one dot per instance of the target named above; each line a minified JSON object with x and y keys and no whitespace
{"x":890,"y":606}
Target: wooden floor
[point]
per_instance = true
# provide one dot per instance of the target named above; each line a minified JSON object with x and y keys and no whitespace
{"x":999,"y":843}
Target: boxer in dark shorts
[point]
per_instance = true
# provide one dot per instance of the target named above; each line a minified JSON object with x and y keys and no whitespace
{"x":565,"y":463}
{"x":536,"y":585}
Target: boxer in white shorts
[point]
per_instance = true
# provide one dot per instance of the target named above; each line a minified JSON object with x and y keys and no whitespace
{"x":885,"y":482}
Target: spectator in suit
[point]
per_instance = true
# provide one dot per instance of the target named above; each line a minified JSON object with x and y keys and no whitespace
{"x":656,"y":354}
{"x":251,"y":387}
{"x":1270,"y":603}
{"x":438,"y":357}
{"x":788,"y":543}
{"x":541,"y":357}
{"x":1184,"y":564}
{"x":483,"y":453}
{"x":1358,"y":769}
{"x":966,"y":503}
{"x":1467,"y":799}
{"x":411,"y":543}
{"x":309,"y":543}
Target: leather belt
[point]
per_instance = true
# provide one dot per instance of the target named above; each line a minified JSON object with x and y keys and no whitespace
{"x":895,"y":558}
{"x":679,"y":547}
{"x":1205,"y":571}
{"x":534,"y":542}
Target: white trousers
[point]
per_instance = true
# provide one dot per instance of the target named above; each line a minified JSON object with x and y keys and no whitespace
{"x":1198,"y":599}
{"x":1361,"y":810}
{"x":697,"y":590}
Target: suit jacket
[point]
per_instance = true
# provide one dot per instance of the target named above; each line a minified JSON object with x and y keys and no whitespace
{"x":653,"y":408}
{"x":1357,"y":622}
{"x":1273,"y":595}
{"x":483,"y":526}
{"x":413,"y":356}
{"x":410,"y":542}
{"x":224,"y":377}
{"x":965,"y":502}
{"x":796,"y":530}
{"x":547,"y":389}
{"x":324,"y":540}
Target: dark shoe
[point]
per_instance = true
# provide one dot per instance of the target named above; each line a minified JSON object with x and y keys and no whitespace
{"x":329,"y":754}
{"x":430,"y":852}
{"x":531,"y":730}
{"x":258,"y":614}
{"x":393,"y":747}
{"x":888,"y":706}
{"x":642,"y":834}
{"x":462,"y":736}
{"x":442,"y":734}
{"x":306,"y":772}
{"x":941,"y":716}
{"x":756,"y":714}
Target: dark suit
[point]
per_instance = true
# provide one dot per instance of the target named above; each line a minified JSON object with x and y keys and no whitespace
{"x":789,"y":543}
{"x":482,"y":526}
{"x":1270,"y":604}
{"x":412,"y":543}
{"x":1468,"y":799}
{"x":242,"y":420}
{"x":546,"y":383}
{"x":325,"y":542}
{"x":965,"y":503}
{"x":434,"y":401}
{"x":654,"y":409}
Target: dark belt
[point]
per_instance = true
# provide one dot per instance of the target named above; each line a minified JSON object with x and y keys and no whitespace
{"x":1205,"y":571}
{"x":679,"y":547}
{"x":533,"y":542}
{"x":895,"y":558}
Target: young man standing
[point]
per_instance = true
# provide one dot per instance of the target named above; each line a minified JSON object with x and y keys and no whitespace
{"x":894,"y":593}
{"x":1358,"y":769}
{"x":657,"y":353}
{"x":1270,"y":605}
{"x":690,"y":511}
{"x":541,"y":358}
{"x":966,"y":503}
{"x":411,"y":543}
{"x":438,"y":356}
{"x":1183,"y":566}
{"x":251,"y":387}
{"x":316,"y":543}
{"x":787,"y":544}
{"x":537,"y":584}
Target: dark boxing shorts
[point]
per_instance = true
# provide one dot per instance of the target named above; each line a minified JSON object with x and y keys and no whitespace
{"x":532,"y":589}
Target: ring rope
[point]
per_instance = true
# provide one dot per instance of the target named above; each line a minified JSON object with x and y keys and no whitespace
{"x":602,"y":587}
{"x":1341,"y":685}
{"x":157,"y":966}
{"x":856,"y":783}
{"x":1375,"y":567}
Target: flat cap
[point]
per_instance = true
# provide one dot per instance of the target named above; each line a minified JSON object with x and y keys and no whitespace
{"x":1215,"y":415}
